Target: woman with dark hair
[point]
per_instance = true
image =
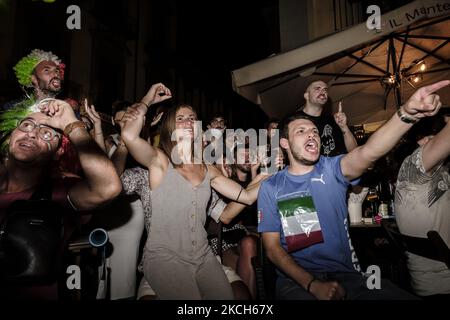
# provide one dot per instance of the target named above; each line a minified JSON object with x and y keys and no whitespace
{"x":178,"y":262}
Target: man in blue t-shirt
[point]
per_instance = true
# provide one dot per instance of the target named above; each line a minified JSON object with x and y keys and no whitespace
{"x":303,"y":213}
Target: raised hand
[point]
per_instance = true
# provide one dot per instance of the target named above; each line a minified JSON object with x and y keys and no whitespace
{"x":93,"y":115}
{"x":424,"y":103}
{"x":59,"y":114}
{"x":132,"y":121}
{"x":157,"y":93}
{"x":340,"y":117}
{"x":156,"y":119}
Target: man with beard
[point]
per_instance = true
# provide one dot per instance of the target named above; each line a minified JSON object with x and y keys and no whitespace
{"x":33,"y":149}
{"x":335,"y":135}
{"x":40,"y":74}
{"x":303,"y":210}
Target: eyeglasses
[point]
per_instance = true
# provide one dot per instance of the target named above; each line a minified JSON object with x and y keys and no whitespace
{"x":45,"y":133}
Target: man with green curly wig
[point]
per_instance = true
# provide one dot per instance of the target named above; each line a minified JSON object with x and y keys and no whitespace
{"x":42,"y":71}
{"x":41,"y":75}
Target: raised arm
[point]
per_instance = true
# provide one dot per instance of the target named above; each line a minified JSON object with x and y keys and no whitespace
{"x":233,"y":208}
{"x":100,"y":183}
{"x":232,"y":190}
{"x":134,"y":119}
{"x":97,"y":121}
{"x":437,"y":149}
{"x":119,"y":157}
{"x":341,"y":120}
{"x":133,"y":122}
{"x":421,"y":104}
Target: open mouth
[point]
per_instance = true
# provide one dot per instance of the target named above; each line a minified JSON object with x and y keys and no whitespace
{"x":26,"y":145}
{"x":312,"y":146}
{"x":56,"y":82}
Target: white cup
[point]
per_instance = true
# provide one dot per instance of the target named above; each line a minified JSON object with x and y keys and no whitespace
{"x":355,"y":212}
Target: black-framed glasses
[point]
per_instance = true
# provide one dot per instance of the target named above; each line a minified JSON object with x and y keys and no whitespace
{"x":46,"y":133}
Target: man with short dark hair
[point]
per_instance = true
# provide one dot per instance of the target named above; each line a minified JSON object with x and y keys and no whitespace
{"x":334,"y":133}
{"x":303,"y":209}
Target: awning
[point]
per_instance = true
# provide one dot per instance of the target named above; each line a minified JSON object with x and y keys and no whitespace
{"x":357,"y":64}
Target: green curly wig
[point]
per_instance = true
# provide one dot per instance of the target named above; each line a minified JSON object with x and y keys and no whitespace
{"x":9,"y":120}
{"x":24,"y":68}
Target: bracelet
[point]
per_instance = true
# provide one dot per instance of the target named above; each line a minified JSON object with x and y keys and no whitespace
{"x":405,"y":118}
{"x":148,"y":106}
{"x":308,"y":287}
{"x":239,"y":194}
{"x":72,"y":126}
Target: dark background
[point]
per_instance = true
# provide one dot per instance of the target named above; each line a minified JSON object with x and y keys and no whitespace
{"x":125,"y":46}
{"x":191,"y":46}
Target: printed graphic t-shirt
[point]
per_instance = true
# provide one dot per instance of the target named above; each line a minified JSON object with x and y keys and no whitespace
{"x":422,"y":203}
{"x":327,"y":186}
{"x":331,"y":138}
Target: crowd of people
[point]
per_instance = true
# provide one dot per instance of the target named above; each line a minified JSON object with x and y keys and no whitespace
{"x":202,"y":220}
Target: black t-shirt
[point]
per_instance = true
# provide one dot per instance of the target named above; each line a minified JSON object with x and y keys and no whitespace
{"x":331,"y":138}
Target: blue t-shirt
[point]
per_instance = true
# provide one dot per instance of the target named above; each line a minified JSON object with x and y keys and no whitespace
{"x":327,"y":186}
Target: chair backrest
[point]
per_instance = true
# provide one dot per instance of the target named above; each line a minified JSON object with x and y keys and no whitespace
{"x":432,"y":247}
{"x":265,"y":274}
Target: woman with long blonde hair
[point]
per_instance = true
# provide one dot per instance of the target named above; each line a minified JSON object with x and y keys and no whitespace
{"x":179,"y":263}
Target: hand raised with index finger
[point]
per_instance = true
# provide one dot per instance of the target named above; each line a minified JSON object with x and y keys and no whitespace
{"x":424,"y":102}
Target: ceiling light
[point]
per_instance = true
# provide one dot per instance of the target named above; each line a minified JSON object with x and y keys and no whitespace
{"x":423,"y":66}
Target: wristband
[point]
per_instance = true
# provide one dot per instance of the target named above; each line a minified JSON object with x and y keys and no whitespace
{"x":237,"y":199}
{"x":72,"y":126}
{"x":405,"y":118}
{"x":308,"y":287}
{"x":148,"y":106}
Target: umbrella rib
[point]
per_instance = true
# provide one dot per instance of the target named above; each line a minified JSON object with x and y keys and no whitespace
{"x":350,"y":75}
{"x":366,"y":63}
{"x":393,"y":55}
{"x":403,"y":50}
{"x":436,"y":49}
{"x":388,"y":57}
{"x":433,"y":71}
{"x":424,"y":50}
{"x":398,"y":97}
{"x":386,"y":94}
{"x":423,"y":36}
{"x":354,"y":82}
{"x":368,"y":52}
{"x":343,"y":54}
{"x":430,"y":23}
{"x":279,"y":83}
